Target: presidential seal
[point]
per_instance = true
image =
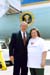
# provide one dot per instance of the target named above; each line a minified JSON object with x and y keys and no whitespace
{"x":27,"y":17}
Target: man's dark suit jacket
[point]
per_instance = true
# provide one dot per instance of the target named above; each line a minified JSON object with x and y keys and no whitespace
{"x":17,"y":48}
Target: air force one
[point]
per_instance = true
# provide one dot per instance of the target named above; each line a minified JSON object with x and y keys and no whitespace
{"x":36,"y":15}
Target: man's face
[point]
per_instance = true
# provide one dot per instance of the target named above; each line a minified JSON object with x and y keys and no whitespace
{"x":23,"y":27}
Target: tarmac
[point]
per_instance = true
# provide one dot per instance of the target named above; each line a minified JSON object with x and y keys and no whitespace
{"x":9,"y":70}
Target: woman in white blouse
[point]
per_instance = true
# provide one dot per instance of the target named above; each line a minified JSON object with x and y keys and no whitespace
{"x":36,"y":53}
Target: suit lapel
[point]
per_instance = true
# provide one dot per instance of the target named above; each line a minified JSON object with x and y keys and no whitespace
{"x":20,"y":35}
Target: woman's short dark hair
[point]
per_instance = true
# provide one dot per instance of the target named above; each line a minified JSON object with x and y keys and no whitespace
{"x":38,"y":33}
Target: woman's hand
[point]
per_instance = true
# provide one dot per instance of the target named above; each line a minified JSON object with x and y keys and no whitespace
{"x":43,"y":64}
{"x":43,"y":61}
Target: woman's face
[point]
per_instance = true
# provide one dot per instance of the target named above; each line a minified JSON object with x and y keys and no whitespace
{"x":34,"y":34}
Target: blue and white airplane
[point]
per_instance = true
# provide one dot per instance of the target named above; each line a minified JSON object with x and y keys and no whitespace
{"x":39,"y":14}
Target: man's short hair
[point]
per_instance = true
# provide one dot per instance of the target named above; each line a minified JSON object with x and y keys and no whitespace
{"x":23,"y":23}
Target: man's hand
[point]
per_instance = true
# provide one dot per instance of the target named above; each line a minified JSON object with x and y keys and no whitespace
{"x":12,"y":59}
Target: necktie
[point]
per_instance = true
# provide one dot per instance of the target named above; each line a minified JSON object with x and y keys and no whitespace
{"x":24,"y":35}
{"x":24,"y":38}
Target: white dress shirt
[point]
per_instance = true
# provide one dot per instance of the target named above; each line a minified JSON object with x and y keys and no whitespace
{"x":22,"y":34}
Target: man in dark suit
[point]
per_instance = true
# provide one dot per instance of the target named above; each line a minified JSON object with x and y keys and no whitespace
{"x":18,"y":50}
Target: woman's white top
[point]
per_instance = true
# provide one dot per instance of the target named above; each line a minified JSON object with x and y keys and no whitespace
{"x":35,"y":49}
